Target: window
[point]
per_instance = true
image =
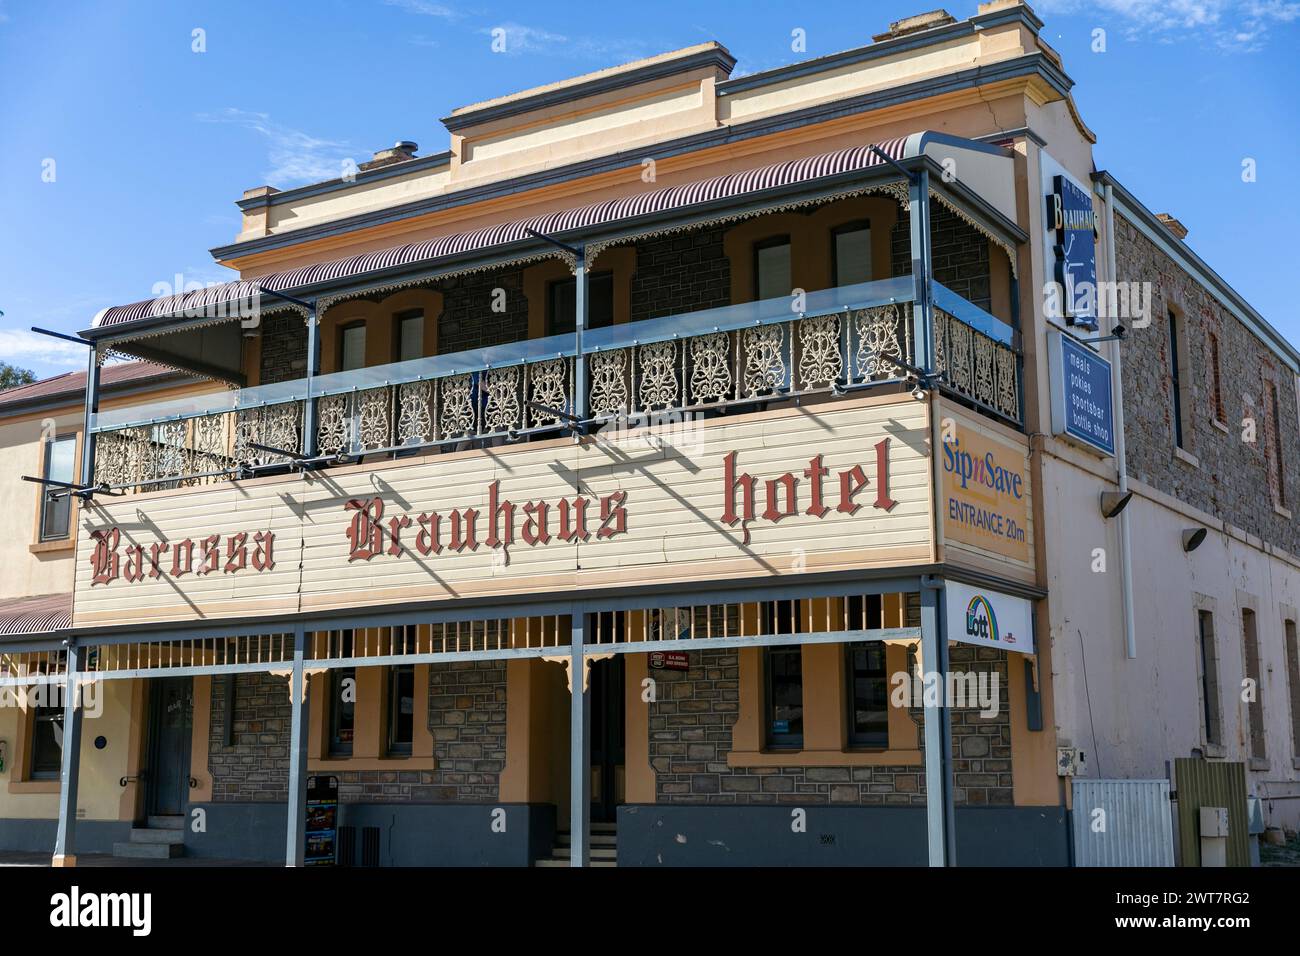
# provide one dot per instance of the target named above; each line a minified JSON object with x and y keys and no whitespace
{"x":342,"y":703}
{"x":851,"y":253}
{"x":1175,"y":377}
{"x":47,"y":741}
{"x":562,"y":303}
{"x":772,"y":277}
{"x":1216,"y":380}
{"x":352,"y":347}
{"x":401,"y":708}
{"x":783,"y":668}
{"x":1293,"y":684}
{"x":408,"y":335}
{"x":868,"y":695}
{"x":1209,"y":677}
{"x":1279,"y":466}
{"x":60,"y":454}
{"x":1255,"y":706}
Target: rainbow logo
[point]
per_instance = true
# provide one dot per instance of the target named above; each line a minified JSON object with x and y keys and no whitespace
{"x":982,"y":621}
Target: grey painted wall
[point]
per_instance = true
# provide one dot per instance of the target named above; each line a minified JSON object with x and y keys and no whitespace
{"x":659,"y":835}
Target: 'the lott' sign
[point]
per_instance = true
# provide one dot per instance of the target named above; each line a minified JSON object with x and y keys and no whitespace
{"x":1081,"y":393}
{"x":1071,"y":220}
{"x":988,"y":618}
{"x":786,"y":492}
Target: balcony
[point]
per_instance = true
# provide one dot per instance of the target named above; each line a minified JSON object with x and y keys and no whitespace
{"x":748,"y":357}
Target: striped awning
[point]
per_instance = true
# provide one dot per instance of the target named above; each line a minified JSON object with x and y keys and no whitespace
{"x":610,"y":212}
{"x":35,"y":615}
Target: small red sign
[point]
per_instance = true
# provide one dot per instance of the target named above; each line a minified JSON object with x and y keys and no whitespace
{"x":670,"y":660}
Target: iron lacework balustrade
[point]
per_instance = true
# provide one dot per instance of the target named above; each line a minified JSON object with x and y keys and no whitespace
{"x":844,"y":339}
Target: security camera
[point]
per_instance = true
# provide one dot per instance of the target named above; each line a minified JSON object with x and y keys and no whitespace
{"x":1119,"y":331}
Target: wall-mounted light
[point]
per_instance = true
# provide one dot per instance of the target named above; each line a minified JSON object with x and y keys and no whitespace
{"x":1113,"y":502}
{"x":1192,"y":538}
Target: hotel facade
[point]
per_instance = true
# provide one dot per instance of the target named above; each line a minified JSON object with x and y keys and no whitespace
{"x":678,"y":470}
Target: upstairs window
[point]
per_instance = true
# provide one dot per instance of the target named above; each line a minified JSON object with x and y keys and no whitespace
{"x":1175,"y":376}
{"x":1293,"y":683}
{"x":60,"y":455}
{"x":851,"y":253}
{"x":772,"y":275}
{"x":562,"y":303}
{"x":408,"y":335}
{"x":1279,"y":463}
{"x":352,"y":347}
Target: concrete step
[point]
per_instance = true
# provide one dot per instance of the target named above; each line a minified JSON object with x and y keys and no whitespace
{"x":597,"y":839}
{"x":565,"y":863}
{"x":150,"y":835}
{"x":147,"y":851}
{"x":597,"y":853}
{"x":176,"y":822}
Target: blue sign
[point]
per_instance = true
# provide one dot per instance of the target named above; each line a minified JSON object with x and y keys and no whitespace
{"x":1070,"y":217}
{"x":1081,"y":393}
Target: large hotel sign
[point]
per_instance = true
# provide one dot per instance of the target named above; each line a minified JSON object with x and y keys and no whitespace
{"x":801,"y":489}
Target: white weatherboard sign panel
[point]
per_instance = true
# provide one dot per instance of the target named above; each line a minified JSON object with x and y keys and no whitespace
{"x":835,"y":487}
{"x":988,"y":618}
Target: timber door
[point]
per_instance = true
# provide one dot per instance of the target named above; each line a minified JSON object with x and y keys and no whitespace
{"x":169,"y":748}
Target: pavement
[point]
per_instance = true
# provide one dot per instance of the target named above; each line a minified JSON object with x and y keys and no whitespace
{"x":10,"y":858}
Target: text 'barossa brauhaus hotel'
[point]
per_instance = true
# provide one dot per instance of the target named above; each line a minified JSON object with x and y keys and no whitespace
{"x":677,"y":470}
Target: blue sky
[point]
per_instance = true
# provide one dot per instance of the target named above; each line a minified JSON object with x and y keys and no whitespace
{"x":152,"y":142}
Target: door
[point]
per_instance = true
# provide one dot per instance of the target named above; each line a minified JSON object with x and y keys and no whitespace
{"x":607,"y":727}
{"x":170,"y":730}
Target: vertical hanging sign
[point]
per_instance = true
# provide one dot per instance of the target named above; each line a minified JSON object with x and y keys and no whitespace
{"x":1072,"y":223}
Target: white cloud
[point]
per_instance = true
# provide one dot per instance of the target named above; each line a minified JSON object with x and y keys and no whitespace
{"x":425,"y":9}
{"x":520,"y":38}
{"x":1233,"y":25}
{"x":295,"y":157}
{"x":40,"y":353}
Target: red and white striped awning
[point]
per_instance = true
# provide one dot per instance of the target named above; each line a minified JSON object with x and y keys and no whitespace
{"x":35,"y":616}
{"x":668,"y":199}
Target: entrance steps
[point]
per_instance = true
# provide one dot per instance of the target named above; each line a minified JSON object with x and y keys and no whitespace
{"x":162,"y":838}
{"x":604,"y":847}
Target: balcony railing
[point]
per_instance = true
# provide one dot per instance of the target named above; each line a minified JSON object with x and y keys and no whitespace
{"x":844,"y":340}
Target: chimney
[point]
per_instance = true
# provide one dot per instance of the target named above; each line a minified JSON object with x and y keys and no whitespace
{"x":1172,"y":224}
{"x":922,"y":21}
{"x":400,"y":153}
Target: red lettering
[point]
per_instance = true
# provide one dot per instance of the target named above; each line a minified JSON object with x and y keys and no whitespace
{"x":182,"y":558}
{"x":236,"y":552}
{"x":264,"y":551}
{"x":613,"y":516}
{"x":211,"y":554}
{"x":133,"y":569}
{"x":365,"y":534}
{"x":573,"y":520}
{"x":535,"y":529}
{"x":883,"y":501}
{"x":499,"y":509}
{"x":395,"y":526}
{"x":815,"y":472}
{"x":851,"y":482}
{"x":429,"y":539}
{"x":463,"y":530}
{"x":731,"y":482}
{"x":773,"y":512}
{"x":104,"y":559}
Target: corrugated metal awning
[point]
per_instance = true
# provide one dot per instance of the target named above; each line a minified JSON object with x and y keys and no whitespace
{"x":36,"y":615}
{"x":608,"y":212}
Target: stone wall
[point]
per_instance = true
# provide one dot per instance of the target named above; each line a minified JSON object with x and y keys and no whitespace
{"x":467,"y":717}
{"x":284,"y":348}
{"x":683,"y":272}
{"x":691,"y":734}
{"x":959,"y":254}
{"x":1232,"y":478}
{"x":467,"y":320}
